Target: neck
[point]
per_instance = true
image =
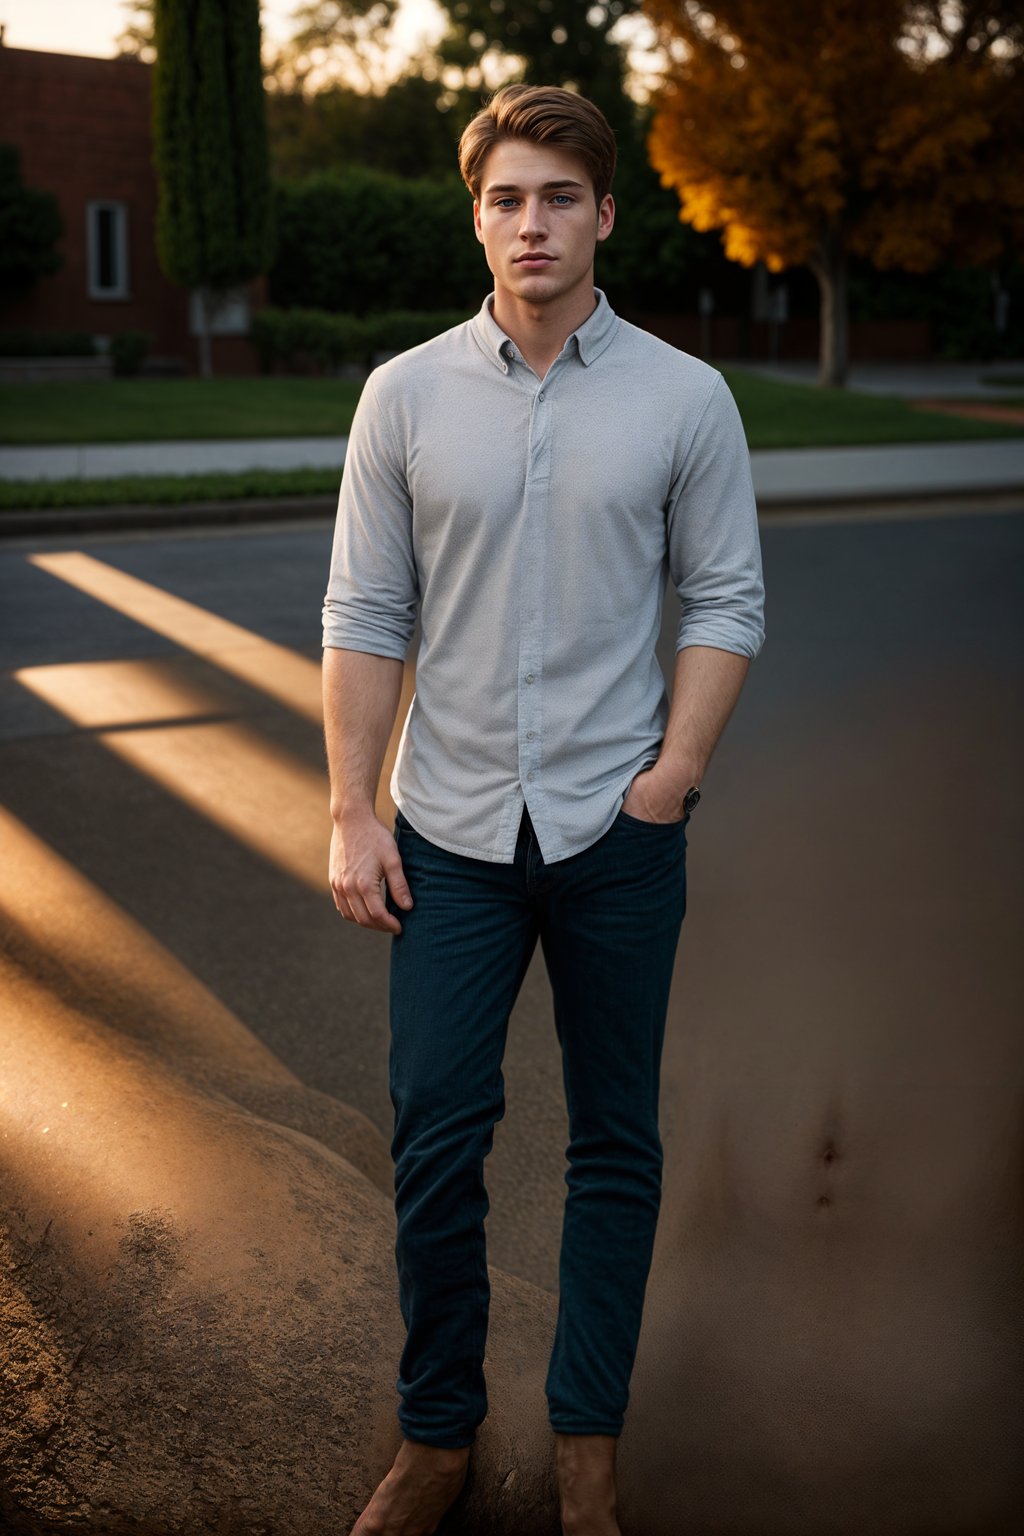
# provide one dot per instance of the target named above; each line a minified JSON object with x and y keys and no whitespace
{"x":540,"y":330}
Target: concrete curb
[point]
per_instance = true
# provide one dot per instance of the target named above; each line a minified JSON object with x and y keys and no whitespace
{"x":27,"y":524}
{"x":21,"y":523}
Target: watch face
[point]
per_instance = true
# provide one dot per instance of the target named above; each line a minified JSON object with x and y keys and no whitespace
{"x":692,"y":796}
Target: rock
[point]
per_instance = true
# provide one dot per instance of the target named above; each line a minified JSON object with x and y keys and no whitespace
{"x":198,"y":1301}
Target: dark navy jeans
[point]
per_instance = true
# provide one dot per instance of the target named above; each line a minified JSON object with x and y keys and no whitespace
{"x":608,"y":920}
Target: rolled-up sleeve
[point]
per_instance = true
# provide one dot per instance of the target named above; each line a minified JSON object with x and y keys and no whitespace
{"x":372,"y":589}
{"x":713,"y":543}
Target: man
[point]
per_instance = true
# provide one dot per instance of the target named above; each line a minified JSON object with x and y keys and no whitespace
{"x":530,"y":480}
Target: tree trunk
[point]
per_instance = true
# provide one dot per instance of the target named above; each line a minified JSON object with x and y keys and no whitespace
{"x":829,"y":266}
{"x":205,"y":347}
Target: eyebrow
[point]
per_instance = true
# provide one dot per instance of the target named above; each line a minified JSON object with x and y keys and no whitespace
{"x":548,"y":186}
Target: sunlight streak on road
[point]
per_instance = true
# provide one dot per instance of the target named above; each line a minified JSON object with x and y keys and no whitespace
{"x":273,"y":669}
{"x":163,"y":690}
{"x":165,"y":716}
{"x":61,"y":924}
{"x":238,"y":778}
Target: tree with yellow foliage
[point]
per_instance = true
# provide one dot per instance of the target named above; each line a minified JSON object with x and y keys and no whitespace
{"x":808,"y":131}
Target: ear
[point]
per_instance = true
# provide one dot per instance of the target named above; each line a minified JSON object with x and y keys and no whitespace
{"x":476,"y":220}
{"x":605,"y":216}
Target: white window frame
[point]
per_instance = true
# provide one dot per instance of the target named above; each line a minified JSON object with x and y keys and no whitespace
{"x":120,"y":210}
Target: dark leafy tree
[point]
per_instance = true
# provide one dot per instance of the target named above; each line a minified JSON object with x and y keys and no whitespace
{"x":342,"y":40}
{"x":408,"y":129}
{"x":545,"y":42}
{"x":214,"y":217}
{"x":30,"y":227}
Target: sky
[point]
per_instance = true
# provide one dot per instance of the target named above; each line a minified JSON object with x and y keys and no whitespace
{"x":90,"y":26}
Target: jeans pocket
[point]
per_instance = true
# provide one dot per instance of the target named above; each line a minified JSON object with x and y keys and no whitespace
{"x":653,"y":826}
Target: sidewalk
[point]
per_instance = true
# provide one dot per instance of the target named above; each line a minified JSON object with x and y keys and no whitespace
{"x":928,"y":380}
{"x":101,"y":461}
{"x":783,"y":475}
{"x":794,"y":475}
{"x":837,"y":481}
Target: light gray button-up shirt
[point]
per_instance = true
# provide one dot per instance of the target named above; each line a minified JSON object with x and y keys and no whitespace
{"x":536,"y":523}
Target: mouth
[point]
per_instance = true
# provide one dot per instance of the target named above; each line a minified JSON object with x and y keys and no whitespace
{"x":534,"y":259}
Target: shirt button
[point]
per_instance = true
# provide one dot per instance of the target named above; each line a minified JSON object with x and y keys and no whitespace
{"x":540,"y":395}
{"x":530,"y":735}
{"x":529,"y":677}
{"x":504,"y":367}
{"x":531,"y":774}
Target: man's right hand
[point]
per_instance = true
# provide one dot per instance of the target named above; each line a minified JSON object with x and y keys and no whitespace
{"x":363,"y":855}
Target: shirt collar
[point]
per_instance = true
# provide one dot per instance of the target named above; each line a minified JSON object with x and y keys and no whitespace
{"x":590,"y":338}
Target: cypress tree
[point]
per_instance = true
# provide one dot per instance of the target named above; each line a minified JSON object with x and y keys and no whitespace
{"x":214,"y":215}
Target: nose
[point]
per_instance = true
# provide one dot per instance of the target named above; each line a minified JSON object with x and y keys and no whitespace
{"x":531,"y":223}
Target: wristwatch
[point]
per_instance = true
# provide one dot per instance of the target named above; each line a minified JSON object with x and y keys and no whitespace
{"x":691,"y":798}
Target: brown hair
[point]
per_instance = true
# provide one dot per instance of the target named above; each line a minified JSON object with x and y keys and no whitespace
{"x":544,"y":114}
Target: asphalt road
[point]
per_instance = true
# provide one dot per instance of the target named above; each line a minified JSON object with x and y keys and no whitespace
{"x":856,"y":858}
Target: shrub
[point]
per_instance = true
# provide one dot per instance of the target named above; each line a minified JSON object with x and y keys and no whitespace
{"x":294,"y":338}
{"x":127,"y":350}
{"x":958,"y":303}
{"x":405,"y":328}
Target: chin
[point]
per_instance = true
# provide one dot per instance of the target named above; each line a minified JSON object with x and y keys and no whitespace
{"x":540,"y":285}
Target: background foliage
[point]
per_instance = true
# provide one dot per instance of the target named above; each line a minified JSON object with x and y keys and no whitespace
{"x":362,"y":241}
{"x":30,"y":226}
{"x":371,"y":214}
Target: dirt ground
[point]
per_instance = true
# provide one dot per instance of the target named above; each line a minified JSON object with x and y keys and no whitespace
{"x":979,"y":409}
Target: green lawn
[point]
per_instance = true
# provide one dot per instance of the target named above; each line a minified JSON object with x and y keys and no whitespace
{"x":129,"y":490}
{"x":775,"y":415}
{"x":155,"y":410}
{"x":779,"y":415}
{"x":138,"y":410}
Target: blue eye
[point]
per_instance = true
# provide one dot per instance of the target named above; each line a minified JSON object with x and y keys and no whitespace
{"x":563,"y":197}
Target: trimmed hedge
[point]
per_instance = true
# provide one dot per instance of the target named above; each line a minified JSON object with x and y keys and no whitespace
{"x":361,"y":242}
{"x":401,"y":329}
{"x":46,"y":344}
{"x":295,"y":338}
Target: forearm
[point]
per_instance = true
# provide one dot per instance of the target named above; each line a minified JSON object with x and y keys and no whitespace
{"x":705,"y":687}
{"x":361,"y":697}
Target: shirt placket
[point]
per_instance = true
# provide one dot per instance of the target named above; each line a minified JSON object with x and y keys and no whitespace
{"x":531,"y":607}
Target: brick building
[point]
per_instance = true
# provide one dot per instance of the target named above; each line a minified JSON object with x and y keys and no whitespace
{"x":82,"y":126}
